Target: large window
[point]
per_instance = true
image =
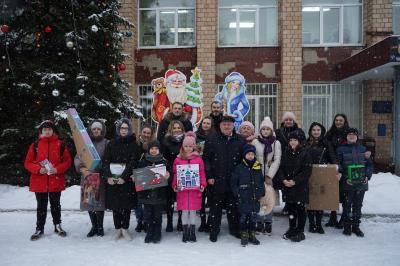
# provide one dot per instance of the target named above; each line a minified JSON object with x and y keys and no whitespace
{"x":396,"y":17}
{"x":248,"y":23}
{"x":322,"y":101}
{"x":169,"y":23}
{"x":332,"y":22}
{"x":263,"y":102}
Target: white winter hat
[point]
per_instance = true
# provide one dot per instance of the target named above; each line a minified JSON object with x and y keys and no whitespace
{"x":267,"y":123}
{"x":288,"y":115}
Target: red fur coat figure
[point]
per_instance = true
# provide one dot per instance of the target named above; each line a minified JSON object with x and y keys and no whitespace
{"x":161,"y":103}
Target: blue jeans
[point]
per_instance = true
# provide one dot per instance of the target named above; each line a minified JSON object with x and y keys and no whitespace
{"x":265,"y":218}
{"x":139,"y":213}
{"x":248,"y":221}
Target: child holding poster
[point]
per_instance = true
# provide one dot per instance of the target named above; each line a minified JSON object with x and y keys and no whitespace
{"x":189,"y":182}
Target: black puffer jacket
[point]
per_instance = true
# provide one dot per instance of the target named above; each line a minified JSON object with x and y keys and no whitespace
{"x":282,"y":134}
{"x":152,"y":196}
{"x":337,"y":137}
{"x":221,"y":156}
{"x":320,"y":149}
{"x":297,"y":166}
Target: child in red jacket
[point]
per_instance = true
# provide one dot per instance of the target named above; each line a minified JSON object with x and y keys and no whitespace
{"x":189,"y":182}
{"x":47,"y":160}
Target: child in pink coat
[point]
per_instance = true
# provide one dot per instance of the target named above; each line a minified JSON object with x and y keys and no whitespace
{"x":189,"y":181}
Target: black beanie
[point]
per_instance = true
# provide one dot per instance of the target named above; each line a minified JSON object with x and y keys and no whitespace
{"x":155,"y":143}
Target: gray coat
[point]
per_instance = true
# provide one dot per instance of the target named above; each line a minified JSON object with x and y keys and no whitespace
{"x":100,"y":144}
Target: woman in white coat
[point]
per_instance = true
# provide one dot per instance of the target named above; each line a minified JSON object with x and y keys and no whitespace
{"x":268,"y":153}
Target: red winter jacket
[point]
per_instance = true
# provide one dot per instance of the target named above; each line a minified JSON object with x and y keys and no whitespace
{"x":48,"y":148}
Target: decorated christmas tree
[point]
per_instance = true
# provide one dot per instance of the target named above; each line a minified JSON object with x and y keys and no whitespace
{"x":55,"y":55}
{"x":194,"y":102}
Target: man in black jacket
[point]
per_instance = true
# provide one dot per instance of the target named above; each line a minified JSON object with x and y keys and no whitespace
{"x":177,"y":114}
{"x":216,"y":114}
{"x":222,"y":153}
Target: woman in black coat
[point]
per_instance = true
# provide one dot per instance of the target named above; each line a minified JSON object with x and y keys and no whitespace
{"x":296,"y":167}
{"x":336,"y":136}
{"x":321,"y":152}
{"x":170,"y":148}
{"x":120,"y":190}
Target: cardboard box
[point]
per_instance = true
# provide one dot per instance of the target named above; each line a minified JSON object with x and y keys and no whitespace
{"x":83,"y":144}
{"x":150,"y":177}
{"x":324,"y":188}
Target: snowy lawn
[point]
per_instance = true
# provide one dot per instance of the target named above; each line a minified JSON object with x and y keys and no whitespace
{"x":379,"y":247}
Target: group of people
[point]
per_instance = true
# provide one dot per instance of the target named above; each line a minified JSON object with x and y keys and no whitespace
{"x":240,"y":172}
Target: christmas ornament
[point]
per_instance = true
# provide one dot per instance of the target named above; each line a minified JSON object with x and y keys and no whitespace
{"x":55,"y":93}
{"x":122,"y":67}
{"x":70,"y":44}
{"x":128,"y":34}
{"x":7,"y":70}
{"x":112,"y":66}
{"x":187,"y":109}
{"x":5,"y":28}
{"x":81,"y":92}
{"x":48,"y":29}
{"x":3,"y":57}
{"x":114,"y":84}
{"x":95,"y":28}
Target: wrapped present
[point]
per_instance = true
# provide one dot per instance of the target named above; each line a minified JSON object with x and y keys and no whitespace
{"x":83,"y":144}
{"x":355,"y":173}
{"x":188,"y":177}
{"x":150,"y":177}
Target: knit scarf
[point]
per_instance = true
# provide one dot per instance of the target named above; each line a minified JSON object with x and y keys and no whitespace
{"x":267,"y":144}
{"x":153,"y":159}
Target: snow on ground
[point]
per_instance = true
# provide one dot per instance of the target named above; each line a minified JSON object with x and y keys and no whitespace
{"x":382,"y":197}
{"x":379,"y":247}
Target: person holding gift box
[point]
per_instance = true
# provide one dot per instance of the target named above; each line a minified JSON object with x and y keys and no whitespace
{"x":97,"y":132}
{"x":154,"y":200}
{"x":356,"y":170}
{"x":119,"y":159}
{"x":189,"y":182}
{"x":247,"y":183}
{"x":47,"y":160}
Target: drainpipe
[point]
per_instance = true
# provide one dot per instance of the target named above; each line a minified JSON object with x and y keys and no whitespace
{"x":396,"y":116}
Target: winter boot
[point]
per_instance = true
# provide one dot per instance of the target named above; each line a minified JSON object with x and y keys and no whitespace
{"x":347,"y":229}
{"x":203,"y":225}
{"x":357,"y":231}
{"x":93,"y":220}
{"x":298,"y":236}
{"x":244,"y":238}
{"x":149,"y":234}
{"x":267,"y":228}
{"x":59,"y":230}
{"x":185,"y":234}
{"x":125,"y":234}
{"x":100,"y":219}
{"x":192,"y":233}
{"x":38,"y":234}
{"x":319,"y":229}
{"x":252,"y":238}
{"x":339,"y":225}
{"x":289,"y":233}
{"x":139,"y":227}
{"x":332,"y":220}
{"x":157,"y":234}
{"x":213,"y":235}
{"x":259,"y":227}
{"x":311,"y":227}
{"x":118,"y":234}
{"x":179,"y":225}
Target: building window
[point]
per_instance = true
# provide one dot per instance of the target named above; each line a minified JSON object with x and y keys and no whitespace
{"x":169,"y":23}
{"x":322,"y":101}
{"x":248,"y":23}
{"x":396,"y":17}
{"x":145,"y":93}
{"x":263,"y":102}
{"x":332,"y":22}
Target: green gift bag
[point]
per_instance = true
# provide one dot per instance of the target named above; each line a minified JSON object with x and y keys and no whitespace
{"x":355,"y":173}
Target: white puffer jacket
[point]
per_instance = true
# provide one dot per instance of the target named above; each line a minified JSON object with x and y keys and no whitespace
{"x":273,"y":159}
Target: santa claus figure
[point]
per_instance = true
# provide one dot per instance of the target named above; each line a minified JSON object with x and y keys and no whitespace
{"x":161,"y":103}
{"x":175,"y":82}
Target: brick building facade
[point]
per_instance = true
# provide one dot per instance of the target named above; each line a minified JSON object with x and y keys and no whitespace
{"x":290,"y":66}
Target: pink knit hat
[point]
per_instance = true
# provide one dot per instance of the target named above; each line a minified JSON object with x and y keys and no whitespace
{"x":189,"y":140}
{"x":288,"y":115}
{"x":247,"y":123}
{"x":267,"y":123}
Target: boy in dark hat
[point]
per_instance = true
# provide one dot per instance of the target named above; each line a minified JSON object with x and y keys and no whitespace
{"x":356,"y":171}
{"x":247,"y":184}
{"x":296,"y":167}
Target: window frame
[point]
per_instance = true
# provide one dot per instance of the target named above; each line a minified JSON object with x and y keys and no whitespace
{"x":341,"y":24}
{"x":395,"y":4}
{"x":157,"y":10}
{"x":257,"y":25}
